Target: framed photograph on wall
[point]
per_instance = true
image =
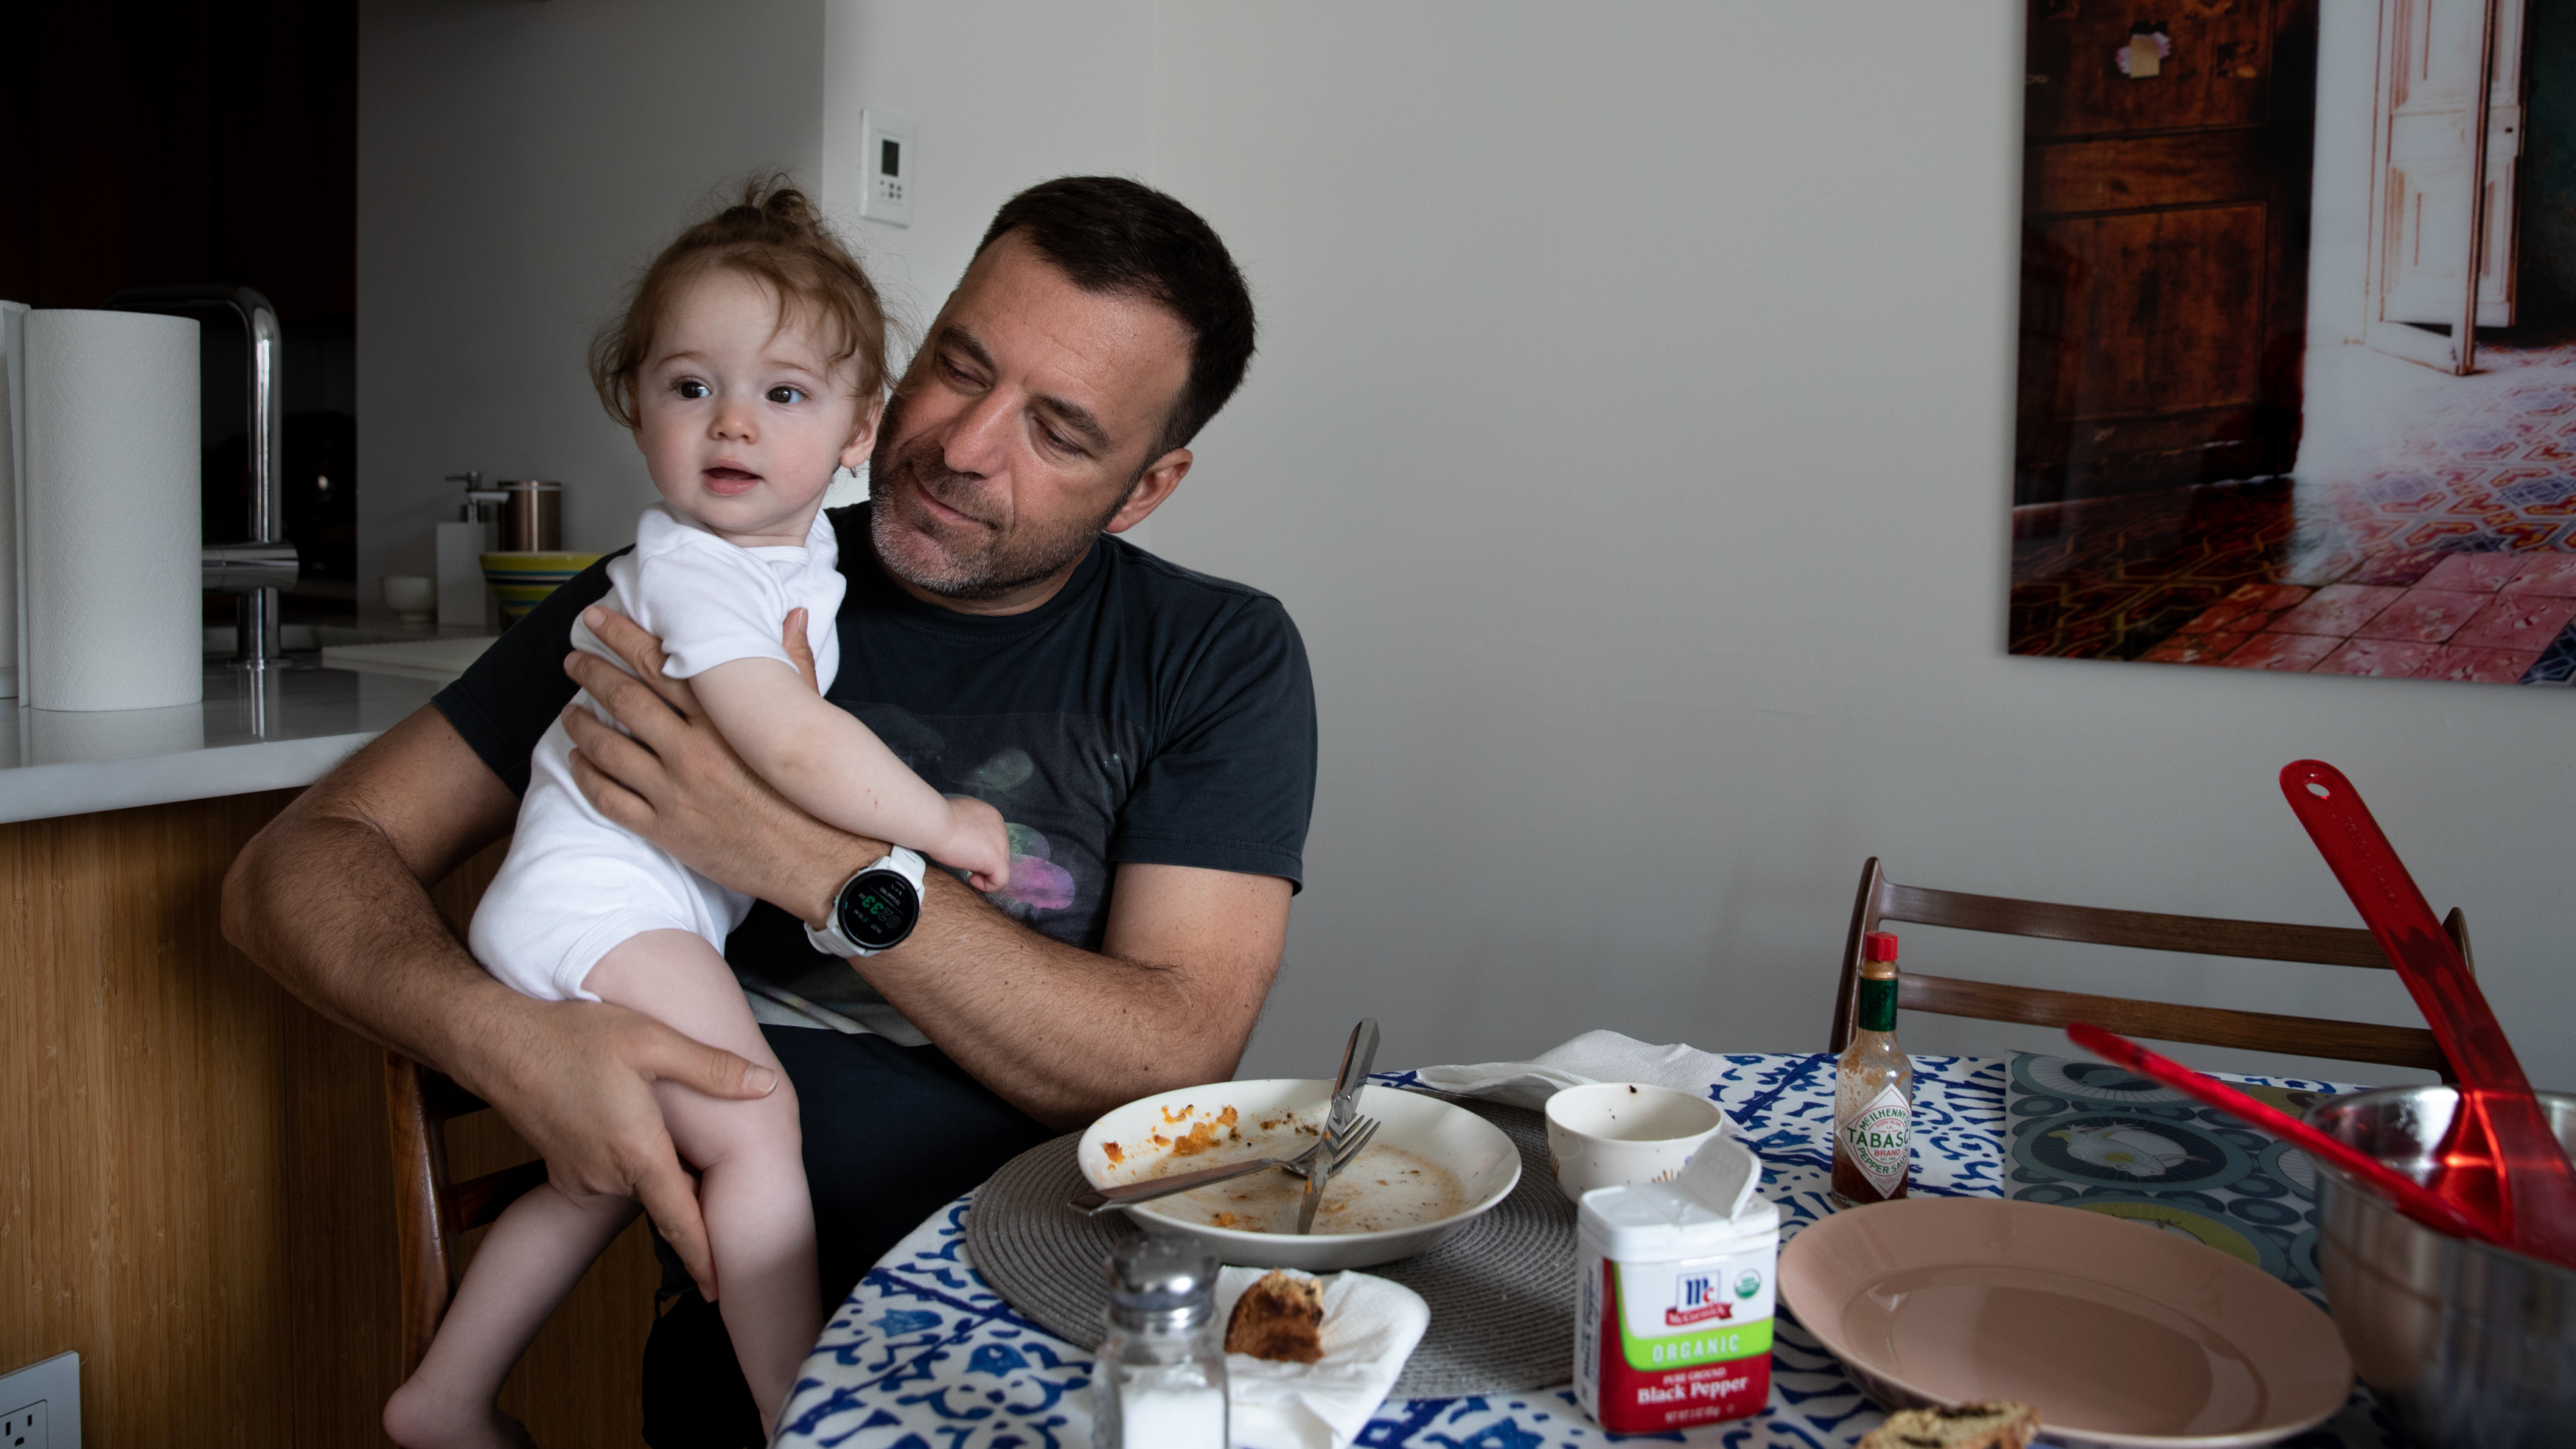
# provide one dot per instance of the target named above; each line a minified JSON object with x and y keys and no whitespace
{"x":2297,"y":360}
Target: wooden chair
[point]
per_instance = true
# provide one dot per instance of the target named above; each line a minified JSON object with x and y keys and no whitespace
{"x":430,"y":1211}
{"x":1882,"y":900}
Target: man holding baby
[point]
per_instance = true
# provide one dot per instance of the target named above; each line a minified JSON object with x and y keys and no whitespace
{"x":1147,"y":732}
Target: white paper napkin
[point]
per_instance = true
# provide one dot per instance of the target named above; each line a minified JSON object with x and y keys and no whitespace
{"x":1595,"y":1056}
{"x":1370,"y":1328}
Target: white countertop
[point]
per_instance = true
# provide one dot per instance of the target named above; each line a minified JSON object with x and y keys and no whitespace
{"x":438,"y":660}
{"x":287,"y":731}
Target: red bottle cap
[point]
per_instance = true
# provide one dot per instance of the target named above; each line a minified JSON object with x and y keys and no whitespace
{"x":1878,"y":946}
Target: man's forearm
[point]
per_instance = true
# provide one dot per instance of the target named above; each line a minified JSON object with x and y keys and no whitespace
{"x":328,"y":906}
{"x":1063,"y":1033}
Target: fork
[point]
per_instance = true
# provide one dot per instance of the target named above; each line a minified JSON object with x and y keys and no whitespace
{"x":1098,"y":1200}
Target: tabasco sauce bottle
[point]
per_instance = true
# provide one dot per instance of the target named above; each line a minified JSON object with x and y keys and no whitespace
{"x":1873,"y":1089}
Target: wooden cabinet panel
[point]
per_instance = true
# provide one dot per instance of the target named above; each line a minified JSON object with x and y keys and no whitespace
{"x":194,"y":1192}
{"x":2126,"y":174}
{"x":2164,"y":249}
{"x":2162,"y":326}
{"x":2218,"y":74}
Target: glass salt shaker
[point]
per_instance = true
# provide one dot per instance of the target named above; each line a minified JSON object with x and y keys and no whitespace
{"x":1159,"y":1382}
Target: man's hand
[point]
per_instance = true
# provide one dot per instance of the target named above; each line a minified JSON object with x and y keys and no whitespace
{"x":799,"y":651}
{"x":581,"y":1092}
{"x":331,"y":899}
{"x":678,"y":784}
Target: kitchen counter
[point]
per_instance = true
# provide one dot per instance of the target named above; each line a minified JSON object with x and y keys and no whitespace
{"x":287,"y":731}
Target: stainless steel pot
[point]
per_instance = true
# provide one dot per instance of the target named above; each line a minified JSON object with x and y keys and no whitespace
{"x":2469,"y":1346}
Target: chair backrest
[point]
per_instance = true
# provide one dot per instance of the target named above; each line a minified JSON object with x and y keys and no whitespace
{"x":429,"y":1210}
{"x":1882,"y":900}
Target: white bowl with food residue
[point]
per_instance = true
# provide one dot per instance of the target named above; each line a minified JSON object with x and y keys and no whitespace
{"x":1432,"y":1169}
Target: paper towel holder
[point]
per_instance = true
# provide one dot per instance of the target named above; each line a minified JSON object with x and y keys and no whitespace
{"x":265,"y":565}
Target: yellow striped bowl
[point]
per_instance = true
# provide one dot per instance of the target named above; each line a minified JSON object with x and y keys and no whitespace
{"x":523,"y":579}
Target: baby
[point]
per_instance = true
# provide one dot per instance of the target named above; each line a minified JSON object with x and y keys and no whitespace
{"x":750,"y":366}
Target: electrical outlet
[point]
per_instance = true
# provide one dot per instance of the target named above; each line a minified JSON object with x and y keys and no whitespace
{"x":48,"y":1398}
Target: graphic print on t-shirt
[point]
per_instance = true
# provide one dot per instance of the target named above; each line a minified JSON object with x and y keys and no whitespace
{"x":1058,"y":780}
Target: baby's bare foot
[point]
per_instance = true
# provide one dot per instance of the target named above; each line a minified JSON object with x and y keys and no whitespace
{"x":421,"y":1416}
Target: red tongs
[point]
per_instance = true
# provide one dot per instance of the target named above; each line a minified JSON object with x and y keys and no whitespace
{"x":2500,"y":1160}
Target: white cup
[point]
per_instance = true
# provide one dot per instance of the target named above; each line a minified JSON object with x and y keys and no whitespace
{"x":1612,"y":1133}
{"x":412,"y":597}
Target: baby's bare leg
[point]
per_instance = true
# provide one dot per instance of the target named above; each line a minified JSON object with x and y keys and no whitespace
{"x":750,"y":1157}
{"x":525,"y":1266}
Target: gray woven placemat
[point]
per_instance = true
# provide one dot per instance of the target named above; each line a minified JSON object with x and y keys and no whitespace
{"x":1501,"y":1289}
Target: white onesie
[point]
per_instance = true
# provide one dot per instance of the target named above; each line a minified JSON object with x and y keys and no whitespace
{"x":576,"y":884}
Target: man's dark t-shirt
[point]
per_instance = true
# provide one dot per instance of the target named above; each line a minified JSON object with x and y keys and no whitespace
{"x":1145,"y":714}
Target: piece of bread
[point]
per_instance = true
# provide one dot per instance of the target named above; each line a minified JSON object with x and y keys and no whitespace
{"x":1281,"y":1317}
{"x":1995,"y":1425}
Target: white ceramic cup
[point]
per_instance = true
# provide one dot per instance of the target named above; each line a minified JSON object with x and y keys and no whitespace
{"x":412,"y":597}
{"x":1611,"y":1133}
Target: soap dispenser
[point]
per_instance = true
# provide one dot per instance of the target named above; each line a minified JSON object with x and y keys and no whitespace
{"x":463,"y":596}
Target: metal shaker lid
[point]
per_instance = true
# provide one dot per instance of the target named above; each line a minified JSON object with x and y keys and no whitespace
{"x":1160,"y":1273}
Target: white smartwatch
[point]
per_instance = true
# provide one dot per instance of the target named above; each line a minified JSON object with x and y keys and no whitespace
{"x":875,"y":909}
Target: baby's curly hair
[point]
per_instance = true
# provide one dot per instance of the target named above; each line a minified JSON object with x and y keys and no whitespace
{"x":774,"y":237}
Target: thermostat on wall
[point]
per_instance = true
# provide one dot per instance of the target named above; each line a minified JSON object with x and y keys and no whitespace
{"x":885,"y":142}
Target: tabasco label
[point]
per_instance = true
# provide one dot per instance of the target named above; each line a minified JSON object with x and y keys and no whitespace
{"x":1665,"y":1345}
{"x":1877,"y":1138}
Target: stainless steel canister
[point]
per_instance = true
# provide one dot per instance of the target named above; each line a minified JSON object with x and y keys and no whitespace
{"x":531,"y":516}
{"x":2469,"y":1346}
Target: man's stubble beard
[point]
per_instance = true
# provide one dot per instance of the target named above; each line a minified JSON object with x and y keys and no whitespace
{"x":1014,"y":559}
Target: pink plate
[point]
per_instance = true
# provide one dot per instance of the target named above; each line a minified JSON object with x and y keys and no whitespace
{"x":2118,"y":1332}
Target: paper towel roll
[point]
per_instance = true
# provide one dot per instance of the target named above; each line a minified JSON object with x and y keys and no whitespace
{"x":113,"y":580}
{"x":13,"y":464}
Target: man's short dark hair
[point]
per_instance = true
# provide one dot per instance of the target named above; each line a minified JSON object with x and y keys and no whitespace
{"x":1110,"y":234}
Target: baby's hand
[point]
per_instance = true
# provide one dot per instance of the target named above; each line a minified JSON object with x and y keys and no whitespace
{"x":978,"y":843}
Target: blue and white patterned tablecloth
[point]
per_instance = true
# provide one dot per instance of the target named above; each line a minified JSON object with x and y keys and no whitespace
{"x":923,"y":1355}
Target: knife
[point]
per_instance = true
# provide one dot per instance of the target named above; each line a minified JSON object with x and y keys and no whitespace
{"x":1358,"y":1058}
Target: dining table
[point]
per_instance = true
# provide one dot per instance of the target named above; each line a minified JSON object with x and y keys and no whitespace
{"x":925,"y":1354}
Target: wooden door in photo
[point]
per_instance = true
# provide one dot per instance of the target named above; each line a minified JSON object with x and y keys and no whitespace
{"x":2164,"y":243}
{"x":2447,"y":138}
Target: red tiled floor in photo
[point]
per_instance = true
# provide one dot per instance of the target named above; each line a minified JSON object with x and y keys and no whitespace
{"x":2425,"y":616}
{"x":2553,"y":574}
{"x":2397,"y":566}
{"x":2477,"y":666}
{"x":2461,"y":490}
{"x":2337,"y":609}
{"x":2281,"y":651}
{"x":2517,"y":621}
{"x":2378,"y":658}
{"x":2194,"y":648}
{"x":2244,"y":610}
{"x":2478,"y":573}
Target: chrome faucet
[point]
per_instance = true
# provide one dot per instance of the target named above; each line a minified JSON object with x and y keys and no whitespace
{"x":265,"y":565}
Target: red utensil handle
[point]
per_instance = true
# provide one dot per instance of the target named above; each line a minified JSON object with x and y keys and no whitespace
{"x":2366,"y":865}
{"x":2501,"y":1147}
{"x":2412,"y":1198}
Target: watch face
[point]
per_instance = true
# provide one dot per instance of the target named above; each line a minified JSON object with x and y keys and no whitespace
{"x":878,"y":909}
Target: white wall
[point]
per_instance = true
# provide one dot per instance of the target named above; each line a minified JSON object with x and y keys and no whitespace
{"x":2339,"y":197}
{"x":1630,"y":439}
{"x":518,"y":163}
